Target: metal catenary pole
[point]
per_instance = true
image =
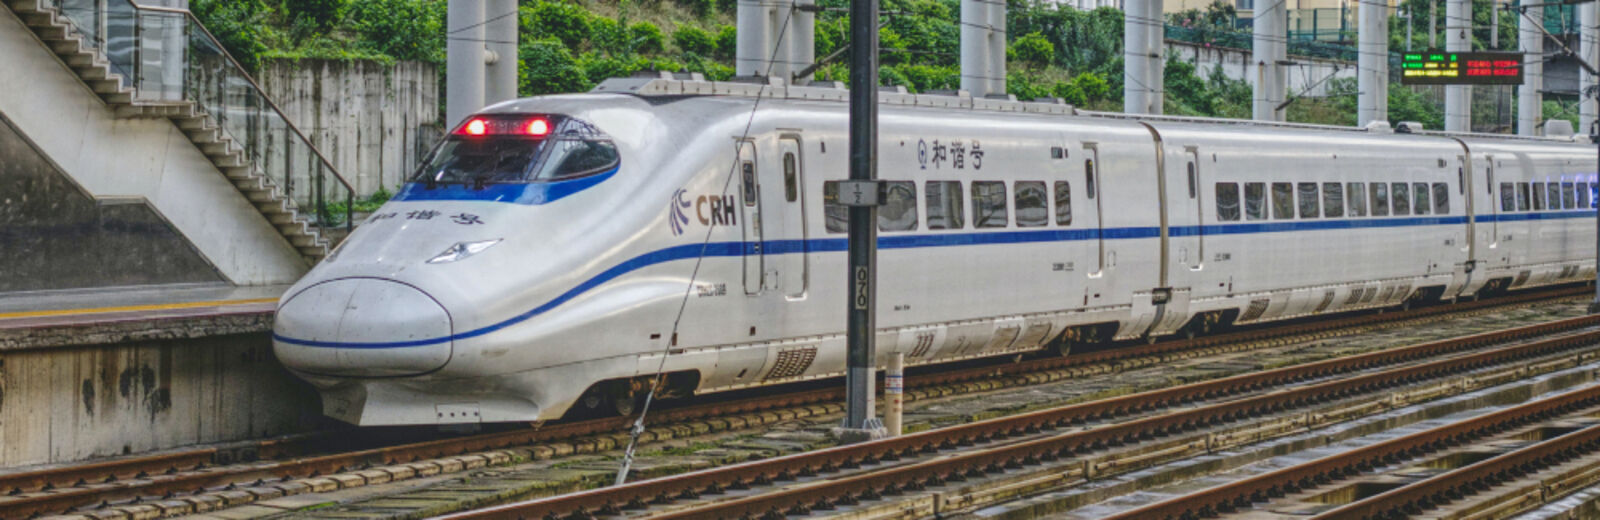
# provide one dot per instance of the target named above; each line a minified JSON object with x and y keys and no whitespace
{"x":863,"y":237}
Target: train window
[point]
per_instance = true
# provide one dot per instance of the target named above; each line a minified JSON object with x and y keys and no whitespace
{"x":1193,"y":190}
{"x":899,"y":209}
{"x":1227,"y":201}
{"x":1255,"y":201}
{"x":1461,"y":179}
{"x":1088,"y":177}
{"x":836,"y":215}
{"x":989,"y":204}
{"x":1356,"y":196}
{"x":1441,"y":198}
{"x":1594,"y":194}
{"x":1568,"y":196}
{"x":1554,"y":201}
{"x":1033,"y":204}
{"x":945,"y":210}
{"x":1310,"y":207}
{"x":1063,"y":203}
{"x":1538,"y":196}
{"x":1583,"y":195}
{"x":1522,"y":196}
{"x":1282,"y":201}
{"x":1402,"y":198}
{"x":749,"y":171}
{"x":1332,"y":199}
{"x":791,"y":184}
{"x":1419,"y":204}
{"x":1508,"y":197}
{"x":1380,"y":199}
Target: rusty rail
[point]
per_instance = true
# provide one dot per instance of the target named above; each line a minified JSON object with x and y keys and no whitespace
{"x":1467,"y":480}
{"x":899,"y":478}
{"x":1241,"y":494}
{"x":127,"y":473}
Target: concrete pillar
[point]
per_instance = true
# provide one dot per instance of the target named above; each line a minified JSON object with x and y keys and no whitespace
{"x":464,"y":59}
{"x":997,"y":46}
{"x":1269,"y":50}
{"x":1588,"y":50}
{"x":1373,"y":62}
{"x":1158,"y":57}
{"x":501,"y":73}
{"x":1457,"y":38}
{"x":1136,"y":57}
{"x":753,"y":53}
{"x":975,"y":47}
{"x":1530,"y":104}
{"x":804,"y":31}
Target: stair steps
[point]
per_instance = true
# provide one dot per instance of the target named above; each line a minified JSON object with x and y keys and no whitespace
{"x":95,"y":70}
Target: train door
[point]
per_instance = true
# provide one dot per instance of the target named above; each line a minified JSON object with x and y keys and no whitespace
{"x":1193,"y":219}
{"x":750,"y":206}
{"x":785,"y":227}
{"x":1485,"y":245}
{"x":1092,"y":219}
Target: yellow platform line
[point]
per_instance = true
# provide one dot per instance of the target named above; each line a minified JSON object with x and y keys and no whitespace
{"x":134,"y":308}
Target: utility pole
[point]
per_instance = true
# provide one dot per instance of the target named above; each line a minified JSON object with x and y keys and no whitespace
{"x":862,"y":195}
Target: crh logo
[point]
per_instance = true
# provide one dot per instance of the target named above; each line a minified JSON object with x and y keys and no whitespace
{"x":710,"y":210}
{"x":680,"y":212}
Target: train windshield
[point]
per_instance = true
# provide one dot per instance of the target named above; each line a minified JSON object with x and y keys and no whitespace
{"x":501,"y":149}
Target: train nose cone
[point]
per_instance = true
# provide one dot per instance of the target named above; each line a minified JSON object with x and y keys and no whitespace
{"x":362,"y":327}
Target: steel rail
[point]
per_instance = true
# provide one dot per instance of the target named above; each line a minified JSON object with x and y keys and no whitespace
{"x":897,"y":478}
{"x":1241,"y":494}
{"x":126,"y":473}
{"x":1455,"y":484}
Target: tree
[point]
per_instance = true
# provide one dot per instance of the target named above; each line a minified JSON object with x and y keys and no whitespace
{"x":239,"y":24}
{"x":1034,"y":50}
{"x":401,"y":29}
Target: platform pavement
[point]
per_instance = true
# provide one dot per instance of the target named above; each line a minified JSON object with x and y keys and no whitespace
{"x":101,"y":316}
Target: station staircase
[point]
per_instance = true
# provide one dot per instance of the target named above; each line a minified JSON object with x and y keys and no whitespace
{"x":152,"y":62}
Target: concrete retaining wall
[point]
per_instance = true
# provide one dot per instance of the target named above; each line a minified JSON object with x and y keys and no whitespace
{"x":68,"y":404}
{"x":1306,"y":77}
{"x":371,"y":120}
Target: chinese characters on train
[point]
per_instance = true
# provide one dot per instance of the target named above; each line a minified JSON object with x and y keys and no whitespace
{"x":465,"y":219}
{"x":956,"y":154}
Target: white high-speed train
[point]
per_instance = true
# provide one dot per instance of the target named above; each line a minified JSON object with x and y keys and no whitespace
{"x":539,"y":258}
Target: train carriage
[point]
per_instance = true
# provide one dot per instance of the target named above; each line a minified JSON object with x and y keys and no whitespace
{"x":557,"y":252}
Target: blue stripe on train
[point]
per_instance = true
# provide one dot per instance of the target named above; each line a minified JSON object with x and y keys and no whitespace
{"x":828,"y":245}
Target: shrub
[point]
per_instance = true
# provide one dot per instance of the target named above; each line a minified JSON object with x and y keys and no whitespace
{"x":568,"y":23}
{"x":645,"y":37}
{"x":727,"y":41}
{"x":318,"y":15}
{"x":694,"y":40}
{"x":547,"y":67}
{"x":401,"y":29}
{"x":1034,"y":50}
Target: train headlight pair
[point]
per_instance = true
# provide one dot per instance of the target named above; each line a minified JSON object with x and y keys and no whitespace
{"x":462,"y":250}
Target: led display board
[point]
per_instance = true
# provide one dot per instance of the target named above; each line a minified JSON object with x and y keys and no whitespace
{"x":1460,"y":68}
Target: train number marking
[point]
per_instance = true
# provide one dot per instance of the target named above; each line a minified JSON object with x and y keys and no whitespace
{"x":861,"y":288}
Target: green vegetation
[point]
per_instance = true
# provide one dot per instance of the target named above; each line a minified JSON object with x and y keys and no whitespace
{"x":571,"y":45}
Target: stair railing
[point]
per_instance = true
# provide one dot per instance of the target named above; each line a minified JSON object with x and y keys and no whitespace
{"x":170,"y":58}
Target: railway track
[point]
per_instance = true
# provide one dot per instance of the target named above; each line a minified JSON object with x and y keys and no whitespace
{"x":847,"y":475}
{"x":144,"y":479}
{"x":1422,"y":495}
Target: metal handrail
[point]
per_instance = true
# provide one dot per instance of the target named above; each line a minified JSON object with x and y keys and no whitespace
{"x":245,"y":73}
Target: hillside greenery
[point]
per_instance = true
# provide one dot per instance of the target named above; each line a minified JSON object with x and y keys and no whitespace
{"x":571,"y":45}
